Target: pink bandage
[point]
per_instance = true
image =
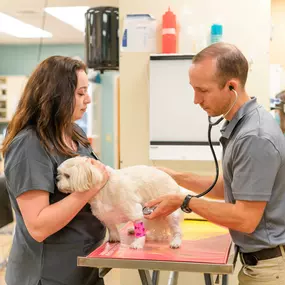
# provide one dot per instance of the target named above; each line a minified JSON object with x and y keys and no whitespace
{"x":139,"y":229}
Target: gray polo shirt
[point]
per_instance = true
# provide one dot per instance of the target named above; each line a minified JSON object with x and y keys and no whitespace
{"x":254,"y":170}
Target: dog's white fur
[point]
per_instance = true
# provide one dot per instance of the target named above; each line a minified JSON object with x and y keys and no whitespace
{"x":122,"y":198}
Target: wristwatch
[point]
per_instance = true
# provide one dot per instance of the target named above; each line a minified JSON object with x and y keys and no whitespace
{"x":184,"y":207}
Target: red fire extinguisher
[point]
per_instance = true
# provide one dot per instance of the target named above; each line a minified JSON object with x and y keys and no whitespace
{"x":169,"y":32}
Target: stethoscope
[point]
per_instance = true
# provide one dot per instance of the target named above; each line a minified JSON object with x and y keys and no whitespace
{"x":211,"y":124}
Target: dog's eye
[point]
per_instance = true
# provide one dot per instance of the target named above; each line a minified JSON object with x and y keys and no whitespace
{"x":66,"y":175}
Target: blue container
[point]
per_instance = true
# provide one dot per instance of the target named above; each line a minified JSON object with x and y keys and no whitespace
{"x":216,"y":33}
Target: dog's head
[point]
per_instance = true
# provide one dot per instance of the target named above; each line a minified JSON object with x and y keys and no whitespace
{"x":77,"y":174}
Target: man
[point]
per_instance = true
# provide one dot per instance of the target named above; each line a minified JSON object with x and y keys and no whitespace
{"x":253,"y":180}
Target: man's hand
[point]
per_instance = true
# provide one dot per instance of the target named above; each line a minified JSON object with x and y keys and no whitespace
{"x":165,"y":205}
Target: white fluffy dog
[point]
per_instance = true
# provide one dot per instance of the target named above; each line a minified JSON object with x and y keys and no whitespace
{"x":122,"y":198}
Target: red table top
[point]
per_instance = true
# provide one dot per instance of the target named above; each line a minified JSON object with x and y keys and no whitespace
{"x":203,"y":242}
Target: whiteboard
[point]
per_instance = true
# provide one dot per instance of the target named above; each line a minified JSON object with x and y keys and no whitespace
{"x":175,"y":122}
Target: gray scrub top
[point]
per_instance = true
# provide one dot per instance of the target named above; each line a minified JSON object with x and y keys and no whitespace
{"x":29,"y":166}
{"x":254,"y":170}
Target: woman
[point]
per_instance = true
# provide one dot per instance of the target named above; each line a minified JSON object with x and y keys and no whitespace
{"x":52,"y":228}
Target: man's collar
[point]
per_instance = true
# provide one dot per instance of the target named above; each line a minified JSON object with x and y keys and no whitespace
{"x":229,"y":126}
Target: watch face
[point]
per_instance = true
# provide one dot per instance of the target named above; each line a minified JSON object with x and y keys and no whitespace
{"x":148,"y":211}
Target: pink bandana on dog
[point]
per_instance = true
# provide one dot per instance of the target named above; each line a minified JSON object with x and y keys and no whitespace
{"x":139,"y":229}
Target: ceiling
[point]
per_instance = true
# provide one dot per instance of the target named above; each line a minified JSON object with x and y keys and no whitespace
{"x":31,"y":12}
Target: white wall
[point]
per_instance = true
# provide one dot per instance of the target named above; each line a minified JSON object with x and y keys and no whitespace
{"x":277,"y":44}
{"x":246,"y":24}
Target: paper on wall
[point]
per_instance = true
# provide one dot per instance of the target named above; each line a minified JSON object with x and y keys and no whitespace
{"x":139,"y":33}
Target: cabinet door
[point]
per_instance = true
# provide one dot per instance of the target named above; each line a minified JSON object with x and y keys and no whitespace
{"x":15,"y":88}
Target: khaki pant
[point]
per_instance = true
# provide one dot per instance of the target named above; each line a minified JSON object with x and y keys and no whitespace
{"x":266,"y":272}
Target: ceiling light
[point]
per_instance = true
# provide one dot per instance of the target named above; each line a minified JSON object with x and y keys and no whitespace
{"x":17,"y":28}
{"x":74,"y":16}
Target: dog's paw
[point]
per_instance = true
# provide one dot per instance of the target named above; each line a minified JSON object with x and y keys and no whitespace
{"x":176,"y":242}
{"x":138,"y":243}
{"x":131,"y":231}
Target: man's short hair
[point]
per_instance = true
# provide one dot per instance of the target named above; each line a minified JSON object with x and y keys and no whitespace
{"x":230,"y":62}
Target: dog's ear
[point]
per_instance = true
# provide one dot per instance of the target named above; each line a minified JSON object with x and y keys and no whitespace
{"x":85,"y":175}
{"x":78,"y":177}
{"x":94,"y":175}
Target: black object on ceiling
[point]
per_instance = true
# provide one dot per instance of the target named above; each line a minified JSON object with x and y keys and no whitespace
{"x":102,"y":38}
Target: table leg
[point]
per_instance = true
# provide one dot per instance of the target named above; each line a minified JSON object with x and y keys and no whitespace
{"x":155,"y":277}
{"x":103,"y":271}
{"x":225,"y":280}
{"x":145,"y":277}
{"x":173,"y":278}
{"x":208,"y":279}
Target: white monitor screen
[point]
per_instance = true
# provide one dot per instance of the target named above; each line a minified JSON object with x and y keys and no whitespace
{"x":174,"y":118}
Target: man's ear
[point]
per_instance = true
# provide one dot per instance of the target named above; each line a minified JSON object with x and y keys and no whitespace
{"x":233,"y":84}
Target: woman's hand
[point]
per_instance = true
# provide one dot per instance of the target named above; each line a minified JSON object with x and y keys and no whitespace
{"x":165,"y":205}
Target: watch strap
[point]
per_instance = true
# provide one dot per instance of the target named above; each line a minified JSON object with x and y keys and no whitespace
{"x":184,"y":207}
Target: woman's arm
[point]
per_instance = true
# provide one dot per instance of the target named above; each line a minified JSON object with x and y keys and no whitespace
{"x":43,"y":219}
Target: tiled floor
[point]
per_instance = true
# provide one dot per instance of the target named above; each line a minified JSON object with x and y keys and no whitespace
{"x":112,"y":278}
{"x":2,"y":282}
{"x":5,"y":244}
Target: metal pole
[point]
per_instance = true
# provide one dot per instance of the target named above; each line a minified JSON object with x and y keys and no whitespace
{"x":225,"y":280}
{"x":155,"y":277}
{"x":145,"y":277}
{"x":208,"y":279}
{"x":173,"y":278}
{"x":103,"y":271}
